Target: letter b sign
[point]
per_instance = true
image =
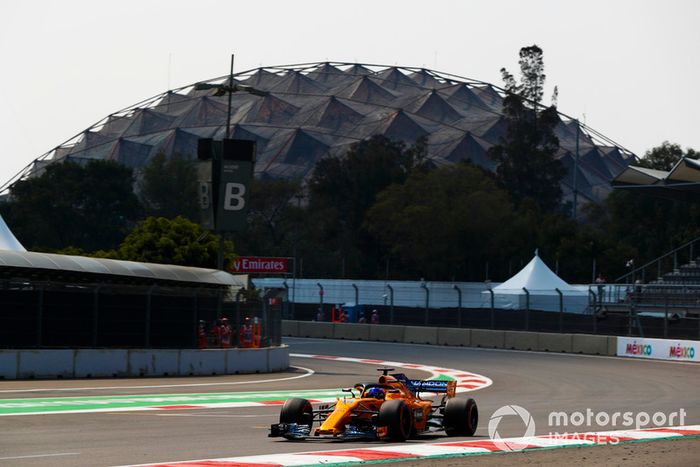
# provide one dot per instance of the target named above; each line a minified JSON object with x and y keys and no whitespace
{"x":234,"y":196}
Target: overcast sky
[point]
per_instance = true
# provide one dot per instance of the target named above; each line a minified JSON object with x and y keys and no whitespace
{"x":630,"y":69}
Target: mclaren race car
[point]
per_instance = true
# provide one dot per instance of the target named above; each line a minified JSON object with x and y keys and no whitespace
{"x":390,"y":409}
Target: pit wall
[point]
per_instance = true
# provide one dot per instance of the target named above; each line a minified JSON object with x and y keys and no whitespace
{"x":100,"y":363}
{"x":484,"y":338}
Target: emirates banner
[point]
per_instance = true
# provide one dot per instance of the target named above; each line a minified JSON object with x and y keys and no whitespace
{"x":260,"y":265}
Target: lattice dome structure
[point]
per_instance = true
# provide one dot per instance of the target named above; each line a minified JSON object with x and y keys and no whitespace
{"x":310,"y":111}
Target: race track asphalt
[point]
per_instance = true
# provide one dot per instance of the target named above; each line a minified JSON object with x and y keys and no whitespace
{"x":539,"y":382}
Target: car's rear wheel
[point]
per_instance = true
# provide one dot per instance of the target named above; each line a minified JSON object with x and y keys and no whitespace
{"x":297,"y":410}
{"x":461,"y":417}
{"x":396,"y":417}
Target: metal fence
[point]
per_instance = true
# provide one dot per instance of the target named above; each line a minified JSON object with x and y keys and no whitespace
{"x":51,"y":315}
{"x":649,"y":310}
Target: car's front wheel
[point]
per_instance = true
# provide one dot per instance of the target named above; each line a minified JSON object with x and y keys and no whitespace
{"x":297,"y":410}
{"x":396,"y":417}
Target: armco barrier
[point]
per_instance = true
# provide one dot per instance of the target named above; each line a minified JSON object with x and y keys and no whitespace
{"x":420,"y":335}
{"x":95,"y":363}
{"x":550,"y":342}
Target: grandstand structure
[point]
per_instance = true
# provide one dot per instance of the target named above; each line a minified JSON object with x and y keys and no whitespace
{"x":302,"y":113}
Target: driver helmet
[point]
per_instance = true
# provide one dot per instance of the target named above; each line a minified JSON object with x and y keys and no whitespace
{"x":375,"y":393}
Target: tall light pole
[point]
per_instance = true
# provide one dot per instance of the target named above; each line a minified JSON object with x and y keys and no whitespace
{"x":576,"y":171}
{"x":221,"y":89}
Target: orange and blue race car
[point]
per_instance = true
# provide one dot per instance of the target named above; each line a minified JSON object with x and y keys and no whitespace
{"x":390,"y":409}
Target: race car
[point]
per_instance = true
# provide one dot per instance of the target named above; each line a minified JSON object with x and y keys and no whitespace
{"x":390,"y":409}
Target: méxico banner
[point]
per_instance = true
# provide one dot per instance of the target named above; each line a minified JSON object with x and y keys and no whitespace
{"x":661,"y":349}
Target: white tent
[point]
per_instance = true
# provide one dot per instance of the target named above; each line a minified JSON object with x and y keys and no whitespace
{"x":537,"y":284}
{"x":8,"y":241}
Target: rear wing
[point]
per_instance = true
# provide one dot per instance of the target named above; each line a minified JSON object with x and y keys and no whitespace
{"x":421,"y":385}
{"x":440,"y":387}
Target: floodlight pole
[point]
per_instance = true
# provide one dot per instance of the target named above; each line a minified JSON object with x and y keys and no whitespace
{"x":230,"y":93}
{"x":220,"y":255}
{"x":575,"y":172}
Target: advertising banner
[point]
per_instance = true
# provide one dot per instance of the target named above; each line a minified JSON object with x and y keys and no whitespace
{"x":661,"y":349}
{"x":260,"y":265}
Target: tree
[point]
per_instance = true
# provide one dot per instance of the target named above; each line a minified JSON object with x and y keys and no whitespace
{"x":341,"y":191}
{"x":173,"y":241}
{"x":88,"y":206}
{"x":168,"y":187}
{"x":445,"y":223}
{"x":664,"y":157}
{"x":274,"y":218}
{"x":527,"y":166}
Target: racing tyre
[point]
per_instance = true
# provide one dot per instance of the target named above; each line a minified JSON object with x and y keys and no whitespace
{"x":396,"y":416}
{"x":297,"y":411}
{"x":461,"y":417}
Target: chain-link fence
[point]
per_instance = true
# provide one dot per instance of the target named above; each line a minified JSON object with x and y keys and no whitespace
{"x":51,"y":315}
{"x":650,"y":310}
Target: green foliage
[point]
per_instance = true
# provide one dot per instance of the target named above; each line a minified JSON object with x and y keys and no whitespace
{"x":341,"y":191}
{"x":649,"y":226}
{"x":168,"y":187}
{"x":532,"y":75}
{"x":274,"y":218}
{"x":527,"y":166}
{"x":664,"y":157}
{"x":88,"y":207}
{"x":173,"y":241}
{"x":444,"y":223}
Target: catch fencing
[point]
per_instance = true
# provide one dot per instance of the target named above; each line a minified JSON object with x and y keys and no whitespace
{"x":612,"y":309}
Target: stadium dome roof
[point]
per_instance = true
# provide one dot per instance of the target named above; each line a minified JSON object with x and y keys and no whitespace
{"x":310,"y":111}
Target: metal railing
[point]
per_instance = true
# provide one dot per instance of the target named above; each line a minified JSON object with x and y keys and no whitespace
{"x":665,"y":263}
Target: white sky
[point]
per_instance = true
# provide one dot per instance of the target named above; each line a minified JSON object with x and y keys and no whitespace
{"x":629,"y":68}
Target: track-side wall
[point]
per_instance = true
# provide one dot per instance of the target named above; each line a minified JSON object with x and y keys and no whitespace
{"x":101,"y":363}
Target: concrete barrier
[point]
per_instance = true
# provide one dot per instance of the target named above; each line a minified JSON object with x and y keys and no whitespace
{"x":278,"y":358}
{"x":590,"y":344}
{"x":45,"y":364}
{"x":551,"y":342}
{"x":520,"y":340}
{"x":202,"y":362}
{"x":487,"y":338}
{"x":100,"y":363}
{"x":316,"y":329}
{"x":246,"y":361}
{"x":8,"y":364}
{"x":386,"y":333}
{"x":351,"y":331}
{"x":290,"y":328}
{"x":154,"y":362}
{"x":454,"y":336}
{"x":612,"y":345}
{"x":420,"y":335}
